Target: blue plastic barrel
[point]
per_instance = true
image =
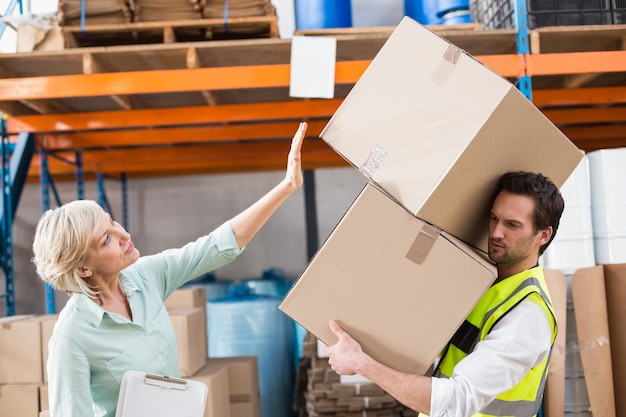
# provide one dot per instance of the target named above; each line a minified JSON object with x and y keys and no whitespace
{"x":423,"y":11}
{"x":457,"y":17}
{"x":323,"y":14}
{"x":447,"y":6}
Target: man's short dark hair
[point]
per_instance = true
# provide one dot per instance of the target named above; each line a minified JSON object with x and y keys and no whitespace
{"x":549,"y":203}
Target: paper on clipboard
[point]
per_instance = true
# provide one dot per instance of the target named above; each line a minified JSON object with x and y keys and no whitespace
{"x":144,"y":395}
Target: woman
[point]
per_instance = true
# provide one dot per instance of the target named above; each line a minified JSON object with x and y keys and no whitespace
{"x":115,"y":320}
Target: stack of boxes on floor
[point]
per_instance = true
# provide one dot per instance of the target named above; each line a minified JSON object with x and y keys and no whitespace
{"x":590,"y":249}
{"x":321,"y":392}
{"x":232,"y":382}
{"x":23,"y":355}
{"x":432,"y":130}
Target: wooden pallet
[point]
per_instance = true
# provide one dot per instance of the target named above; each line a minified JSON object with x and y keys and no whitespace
{"x":192,"y":30}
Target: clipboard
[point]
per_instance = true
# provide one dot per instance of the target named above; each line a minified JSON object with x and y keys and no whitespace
{"x":143,"y":394}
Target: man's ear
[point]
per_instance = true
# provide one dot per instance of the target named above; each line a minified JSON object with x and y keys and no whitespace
{"x":83,"y":272}
{"x":545,"y":235}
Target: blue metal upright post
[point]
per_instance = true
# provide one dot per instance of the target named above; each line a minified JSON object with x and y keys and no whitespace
{"x":80,"y":176}
{"x":524,"y":83}
{"x":7,"y":223}
{"x":44,"y":185}
{"x":124,"y":201}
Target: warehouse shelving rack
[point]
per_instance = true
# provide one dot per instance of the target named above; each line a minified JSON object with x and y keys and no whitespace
{"x":131,"y":111}
{"x":16,"y":160}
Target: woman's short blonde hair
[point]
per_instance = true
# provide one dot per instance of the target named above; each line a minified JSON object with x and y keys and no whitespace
{"x":62,"y":238}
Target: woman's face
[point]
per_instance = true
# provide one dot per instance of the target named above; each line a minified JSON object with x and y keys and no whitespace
{"x":110,"y":251}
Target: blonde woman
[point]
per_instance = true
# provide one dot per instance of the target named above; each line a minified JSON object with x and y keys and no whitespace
{"x":115,"y":320}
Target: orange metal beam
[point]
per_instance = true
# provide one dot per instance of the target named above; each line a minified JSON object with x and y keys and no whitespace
{"x":575,"y":63}
{"x":145,"y":137}
{"x":586,"y":115}
{"x":125,"y":119}
{"x":195,"y":79}
{"x":508,"y":66}
{"x":579,"y":96}
{"x":586,"y":133}
{"x":215,"y":157}
{"x":162,"y":81}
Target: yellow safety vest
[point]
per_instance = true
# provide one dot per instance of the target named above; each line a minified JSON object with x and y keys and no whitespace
{"x":524,"y":399}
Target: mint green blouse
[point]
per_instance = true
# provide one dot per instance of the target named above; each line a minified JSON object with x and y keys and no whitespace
{"x":90,"y":348}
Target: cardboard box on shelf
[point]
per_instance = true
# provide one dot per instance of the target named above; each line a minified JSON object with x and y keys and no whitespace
{"x":435,"y":129}
{"x":20,"y":350}
{"x":400,"y":286}
{"x":188,"y":324}
{"x":19,"y":400}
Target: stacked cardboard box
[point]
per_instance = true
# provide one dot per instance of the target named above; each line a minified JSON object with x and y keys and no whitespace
{"x":163,"y":10}
{"x":23,"y":355}
{"x":237,"y":8}
{"x":322,"y":392}
{"x":232,"y":382}
{"x":95,"y":12}
{"x":432,"y":129}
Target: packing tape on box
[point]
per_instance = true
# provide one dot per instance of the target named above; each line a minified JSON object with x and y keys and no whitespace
{"x":445,"y":69}
{"x":423,"y":243}
{"x":374,"y":160}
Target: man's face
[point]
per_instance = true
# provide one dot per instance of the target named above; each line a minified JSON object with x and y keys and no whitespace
{"x":512,"y":238}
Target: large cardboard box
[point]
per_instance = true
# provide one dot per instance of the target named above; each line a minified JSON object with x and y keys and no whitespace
{"x":20,"y":350}
{"x":189,"y":323}
{"x":216,"y":377}
{"x":398,"y":285}
{"x":192,"y":297}
{"x":244,"y":387}
{"x":598,"y":293}
{"x":19,"y":400}
{"x":435,"y":129}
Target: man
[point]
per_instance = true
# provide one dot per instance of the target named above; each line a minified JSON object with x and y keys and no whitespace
{"x":496,"y":363}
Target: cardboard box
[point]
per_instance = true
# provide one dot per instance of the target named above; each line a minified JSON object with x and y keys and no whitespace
{"x":435,"y":129}
{"x":44,"y":402}
{"x":244,"y":387}
{"x":598,"y":294}
{"x":187,"y":297}
{"x":190,"y":328}
{"x":216,"y":377}
{"x":20,"y":350}
{"x":615,"y":285}
{"x":243,"y":410}
{"x":19,"y":400}
{"x":192,"y":297}
{"x":398,"y":285}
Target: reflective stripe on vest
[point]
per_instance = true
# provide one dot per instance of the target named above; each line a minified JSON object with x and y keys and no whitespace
{"x":525,"y":398}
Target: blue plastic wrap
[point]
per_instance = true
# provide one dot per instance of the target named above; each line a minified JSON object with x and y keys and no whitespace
{"x":248,"y":324}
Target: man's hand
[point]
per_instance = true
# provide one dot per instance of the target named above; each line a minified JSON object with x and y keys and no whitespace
{"x":346,"y":355}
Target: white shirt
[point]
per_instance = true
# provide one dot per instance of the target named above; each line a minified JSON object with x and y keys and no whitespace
{"x":518,"y":342}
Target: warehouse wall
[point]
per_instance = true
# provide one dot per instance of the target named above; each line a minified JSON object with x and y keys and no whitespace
{"x":168,"y":212}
